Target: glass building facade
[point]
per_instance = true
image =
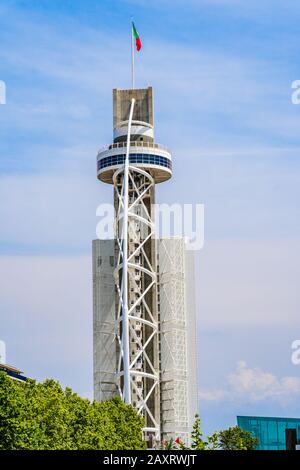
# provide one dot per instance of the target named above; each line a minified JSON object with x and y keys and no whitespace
{"x":270,"y":431}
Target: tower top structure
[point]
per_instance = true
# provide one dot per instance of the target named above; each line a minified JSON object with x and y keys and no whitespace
{"x":143,"y":107}
{"x":144,"y":152}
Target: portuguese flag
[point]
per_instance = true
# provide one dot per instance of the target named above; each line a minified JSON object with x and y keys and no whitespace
{"x":136,"y":36}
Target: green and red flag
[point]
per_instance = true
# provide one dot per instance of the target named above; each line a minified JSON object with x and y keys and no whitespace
{"x":136,"y":36}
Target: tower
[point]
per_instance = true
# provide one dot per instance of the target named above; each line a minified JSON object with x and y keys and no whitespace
{"x":137,"y":341}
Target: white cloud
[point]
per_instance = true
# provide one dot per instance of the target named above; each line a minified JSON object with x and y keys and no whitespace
{"x":243,"y":90}
{"x":257,"y":384}
{"x":247,"y":384}
{"x":212,"y":395}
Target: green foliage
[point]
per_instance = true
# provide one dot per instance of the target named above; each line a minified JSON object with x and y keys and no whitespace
{"x":197,"y":441}
{"x":181,"y":444}
{"x":169,"y":445}
{"x":174,"y":444}
{"x":237,"y":439}
{"x":230,"y":439}
{"x":212,"y":442}
{"x":44,"y":416}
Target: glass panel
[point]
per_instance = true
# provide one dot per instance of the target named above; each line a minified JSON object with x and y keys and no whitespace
{"x":270,"y":431}
{"x":135,"y":158}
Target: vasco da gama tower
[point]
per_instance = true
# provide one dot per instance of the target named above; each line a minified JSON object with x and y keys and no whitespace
{"x":143,"y":287}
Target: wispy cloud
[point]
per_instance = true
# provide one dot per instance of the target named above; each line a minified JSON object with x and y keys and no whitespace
{"x":58,"y":115}
{"x":248,"y":384}
{"x":233,"y":98}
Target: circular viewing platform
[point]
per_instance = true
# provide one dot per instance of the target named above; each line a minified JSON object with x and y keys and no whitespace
{"x":151,"y":157}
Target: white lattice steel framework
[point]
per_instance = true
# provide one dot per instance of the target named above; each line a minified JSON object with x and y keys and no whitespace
{"x":135,"y":277}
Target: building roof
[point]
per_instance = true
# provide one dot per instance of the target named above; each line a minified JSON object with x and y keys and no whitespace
{"x":7,"y":367}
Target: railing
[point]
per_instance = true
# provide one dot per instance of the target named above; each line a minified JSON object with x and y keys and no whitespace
{"x":136,"y":143}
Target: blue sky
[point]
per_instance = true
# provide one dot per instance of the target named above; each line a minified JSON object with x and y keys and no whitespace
{"x":222,"y":74}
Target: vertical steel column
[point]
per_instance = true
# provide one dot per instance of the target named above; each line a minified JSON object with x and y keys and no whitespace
{"x":125,"y":327}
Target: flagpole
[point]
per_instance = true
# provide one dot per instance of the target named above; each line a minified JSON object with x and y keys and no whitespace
{"x":132,"y":57}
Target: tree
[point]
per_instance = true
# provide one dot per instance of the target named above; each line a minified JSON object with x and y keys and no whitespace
{"x":197,"y":441}
{"x":233,"y":438}
{"x":44,"y":416}
{"x":212,"y":442}
{"x":237,"y":439}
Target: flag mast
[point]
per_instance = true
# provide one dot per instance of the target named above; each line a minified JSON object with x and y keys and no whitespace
{"x":132,"y":56}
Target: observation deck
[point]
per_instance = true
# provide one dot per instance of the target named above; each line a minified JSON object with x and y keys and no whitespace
{"x":149,"y":156}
